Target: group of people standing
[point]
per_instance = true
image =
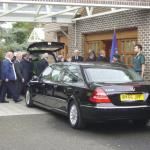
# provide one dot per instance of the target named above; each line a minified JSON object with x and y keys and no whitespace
{"x":91,"y":57}
{"x":138,"y":60}
{"x":16,"y":71}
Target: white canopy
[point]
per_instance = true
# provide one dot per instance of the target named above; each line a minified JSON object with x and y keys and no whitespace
{"x":37,"y":35}
{"x":61,"y":11}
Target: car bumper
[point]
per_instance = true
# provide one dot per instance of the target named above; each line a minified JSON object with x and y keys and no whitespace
{"x":101,"y":113}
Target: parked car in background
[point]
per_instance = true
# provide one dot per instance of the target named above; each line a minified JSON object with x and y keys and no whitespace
{"x":91,"y":92}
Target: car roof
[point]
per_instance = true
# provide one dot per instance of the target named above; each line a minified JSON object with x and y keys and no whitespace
{"x":94,"y":64}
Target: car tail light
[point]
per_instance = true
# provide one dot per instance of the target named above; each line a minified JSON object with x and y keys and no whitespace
{"x":99,"y":96}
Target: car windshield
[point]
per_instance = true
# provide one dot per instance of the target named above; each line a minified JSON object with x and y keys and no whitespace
{"x":111,"y":75}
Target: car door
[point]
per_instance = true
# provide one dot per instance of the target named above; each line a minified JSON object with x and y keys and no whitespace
{"x":42,"y":88}
{"x":52,"y":84}
{"x":70,"y":82}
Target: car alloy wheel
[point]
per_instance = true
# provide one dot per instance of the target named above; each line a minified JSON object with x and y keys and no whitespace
{"x":28,"y":99}
{"x":75,"y":117}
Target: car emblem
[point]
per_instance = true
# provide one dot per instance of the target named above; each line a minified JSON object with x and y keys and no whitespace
{"x":132,"y":89}
{"x":109,"y":90}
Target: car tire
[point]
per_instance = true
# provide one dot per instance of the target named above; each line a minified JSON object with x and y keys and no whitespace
{"x":140,"y":122}
{"x":75,"y":118}
{"x":28,"y":98}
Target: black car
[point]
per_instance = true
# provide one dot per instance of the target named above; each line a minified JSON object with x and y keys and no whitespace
{"x":91,"y":92}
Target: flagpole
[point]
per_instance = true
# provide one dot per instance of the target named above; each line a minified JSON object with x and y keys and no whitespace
{"x":114,"y":46}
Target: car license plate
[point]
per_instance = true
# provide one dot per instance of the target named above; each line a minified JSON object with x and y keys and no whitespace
{"x":132,"y":97}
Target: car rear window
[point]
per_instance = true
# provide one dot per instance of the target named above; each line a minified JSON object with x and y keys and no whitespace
{"x":109,"y":75}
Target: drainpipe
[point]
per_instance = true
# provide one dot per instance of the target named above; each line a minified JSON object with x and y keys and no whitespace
{"x":75,"y":35}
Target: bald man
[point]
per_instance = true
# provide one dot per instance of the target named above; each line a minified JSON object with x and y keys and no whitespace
{"x":77,"y":57}
{"x":9,"y":78}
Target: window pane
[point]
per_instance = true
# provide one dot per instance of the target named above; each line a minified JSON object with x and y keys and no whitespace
{"x":76,"y":71}
{"x":46,"y":73}
{"x":67,"y":78}
{"x":111,"y":75}
{"x":72,"y":74}
{"x":56,"y":73}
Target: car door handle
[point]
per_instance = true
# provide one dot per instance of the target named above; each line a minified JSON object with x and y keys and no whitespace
{"x":43,"y":84}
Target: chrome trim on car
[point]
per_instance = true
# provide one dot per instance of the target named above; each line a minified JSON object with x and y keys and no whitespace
{"x":48,"y":107}
{"x":116,"y":107}
{"x":34,"y":81}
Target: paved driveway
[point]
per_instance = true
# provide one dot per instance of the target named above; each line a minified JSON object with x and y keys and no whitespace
{"x":23,"y":128}
{"x":11,"y":109}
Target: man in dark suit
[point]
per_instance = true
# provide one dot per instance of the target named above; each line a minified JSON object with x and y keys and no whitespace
{"x":77,"y":57}
{"x":0,"y":69}
{"x":0,"y":73}
{"x":9,"y":77}
{"x":27,"y":70}
{"x":19,"y":73}
{"x":42,"y":64}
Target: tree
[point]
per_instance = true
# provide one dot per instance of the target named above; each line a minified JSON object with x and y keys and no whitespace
{"x":22,"y":31}
{"x":16,"y":37}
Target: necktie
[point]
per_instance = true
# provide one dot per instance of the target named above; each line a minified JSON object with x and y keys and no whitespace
{"x":14,"y":71}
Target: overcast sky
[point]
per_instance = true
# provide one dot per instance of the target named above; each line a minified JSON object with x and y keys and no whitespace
{"x":6,"y":25}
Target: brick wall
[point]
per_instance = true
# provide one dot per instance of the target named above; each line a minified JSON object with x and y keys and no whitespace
{"x":126,"y":19}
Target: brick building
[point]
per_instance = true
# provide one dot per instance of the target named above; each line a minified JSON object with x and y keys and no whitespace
{"x":132,"y":26}
{"x":90,"y":23}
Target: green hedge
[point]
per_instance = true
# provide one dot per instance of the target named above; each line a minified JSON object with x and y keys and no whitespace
{"x":1,"y":54}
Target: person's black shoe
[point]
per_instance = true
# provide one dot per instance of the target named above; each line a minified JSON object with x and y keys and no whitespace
{"x":4,"y":101}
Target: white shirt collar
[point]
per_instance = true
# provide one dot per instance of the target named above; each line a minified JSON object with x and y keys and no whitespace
{"x":9,"y":59}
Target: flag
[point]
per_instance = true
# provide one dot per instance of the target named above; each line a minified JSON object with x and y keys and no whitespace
{"x":114,"y":47}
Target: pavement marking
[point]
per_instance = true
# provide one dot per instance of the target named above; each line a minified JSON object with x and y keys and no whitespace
{"x":12,"y":108}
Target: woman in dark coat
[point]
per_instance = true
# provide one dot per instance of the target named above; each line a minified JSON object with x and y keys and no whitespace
{"x":102,"y":56}
{"x":91,"y":56}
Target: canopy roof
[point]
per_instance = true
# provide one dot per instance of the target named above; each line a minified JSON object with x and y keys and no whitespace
{"x":61,"y":11}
